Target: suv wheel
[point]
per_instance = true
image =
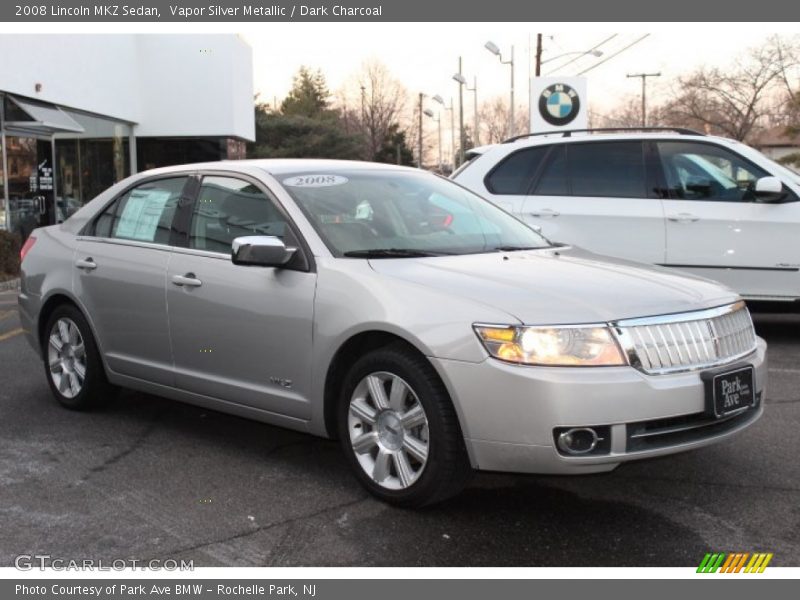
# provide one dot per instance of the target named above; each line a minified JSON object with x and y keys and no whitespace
{"x":72,"y":363}
{"x":399,"y":430}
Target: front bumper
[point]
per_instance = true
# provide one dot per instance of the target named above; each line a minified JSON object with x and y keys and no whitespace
{"x":508,"y":413}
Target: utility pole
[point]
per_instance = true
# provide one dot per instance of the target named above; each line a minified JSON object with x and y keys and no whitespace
{"x":511,"y":125}
{"x":452,"y":133}
{"x":419,"y":142}
{"x":463,"y":138}
{"x":474,"y":88}
{"x":644,"y":77}
{"x":538,"y":54}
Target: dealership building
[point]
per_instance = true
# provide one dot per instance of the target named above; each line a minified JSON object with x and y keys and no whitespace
{"x":80,"y":112}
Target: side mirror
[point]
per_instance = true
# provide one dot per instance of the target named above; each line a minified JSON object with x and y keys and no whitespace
{"x":768,"y":189}
{"x":260,"y":251}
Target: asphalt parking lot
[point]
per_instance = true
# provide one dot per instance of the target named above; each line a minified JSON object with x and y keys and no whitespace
{"x":149,"y":478}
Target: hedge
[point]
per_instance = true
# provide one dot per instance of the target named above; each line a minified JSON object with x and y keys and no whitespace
{"x":9,"y":253}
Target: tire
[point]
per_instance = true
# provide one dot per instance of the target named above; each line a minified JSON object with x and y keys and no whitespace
{"x":407,"y":447}
{"x":78,"y":354}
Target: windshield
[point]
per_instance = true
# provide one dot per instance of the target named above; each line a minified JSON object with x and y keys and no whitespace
{"x":787,"y":170}
{"x":395,"y":214}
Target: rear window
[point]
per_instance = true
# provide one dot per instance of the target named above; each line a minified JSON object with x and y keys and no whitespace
{"x":608,"y":169}
{"x":512,"y":175}
{"x":144,"y":213}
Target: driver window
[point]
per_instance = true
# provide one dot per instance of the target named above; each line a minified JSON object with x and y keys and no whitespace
{"x":707,"y":172}
{"x":228,"y":208}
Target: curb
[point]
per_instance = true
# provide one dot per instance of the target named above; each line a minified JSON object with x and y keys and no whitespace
{"x":12,"y":284}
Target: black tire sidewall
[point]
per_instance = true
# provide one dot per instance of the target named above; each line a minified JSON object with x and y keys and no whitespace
{"x":417,"y":372}
{"x":95,"y":389}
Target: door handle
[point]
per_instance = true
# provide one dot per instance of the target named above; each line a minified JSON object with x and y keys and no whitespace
{"x":683,"y":218}
{"x":86,"y":264}
{"x":545,"y":213}
{"x":188,"y":280}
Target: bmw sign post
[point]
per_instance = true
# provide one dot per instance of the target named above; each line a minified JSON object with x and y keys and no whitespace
{"x":558,"y":103}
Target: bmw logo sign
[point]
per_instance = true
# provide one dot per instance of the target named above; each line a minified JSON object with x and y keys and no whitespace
{"x":559,"y":104}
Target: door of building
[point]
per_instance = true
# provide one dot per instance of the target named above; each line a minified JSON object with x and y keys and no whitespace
{"x":31,"y":183}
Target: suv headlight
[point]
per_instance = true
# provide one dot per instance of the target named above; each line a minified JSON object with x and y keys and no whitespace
{"x":552,"y":346}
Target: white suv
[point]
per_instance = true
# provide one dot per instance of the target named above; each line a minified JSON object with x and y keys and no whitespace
{"x":675,"y":198}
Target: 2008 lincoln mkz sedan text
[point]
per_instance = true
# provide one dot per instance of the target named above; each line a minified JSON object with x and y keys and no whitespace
{"x":430,"y":331}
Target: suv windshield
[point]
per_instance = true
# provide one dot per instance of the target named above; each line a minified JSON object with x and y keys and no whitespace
{"x":400,"y":214}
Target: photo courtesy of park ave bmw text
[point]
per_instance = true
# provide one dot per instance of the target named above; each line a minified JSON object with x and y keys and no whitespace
{"x":338,"y":296}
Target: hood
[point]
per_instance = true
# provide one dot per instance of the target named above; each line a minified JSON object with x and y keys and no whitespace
{"x":560,"y":285}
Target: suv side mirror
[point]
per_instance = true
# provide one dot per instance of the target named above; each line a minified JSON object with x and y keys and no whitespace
{"x":260,"y":251}
{"x":768,"y":189}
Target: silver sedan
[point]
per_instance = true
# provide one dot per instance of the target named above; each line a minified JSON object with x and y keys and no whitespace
{"x":430,"y":331}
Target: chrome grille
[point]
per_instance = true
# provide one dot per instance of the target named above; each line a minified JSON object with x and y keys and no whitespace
{"x":690,"y":340}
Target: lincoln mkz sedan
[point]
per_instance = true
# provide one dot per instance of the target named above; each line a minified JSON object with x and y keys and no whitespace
{"x":431,"y":332}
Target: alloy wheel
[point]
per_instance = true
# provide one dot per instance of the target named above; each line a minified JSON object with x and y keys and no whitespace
{"x":388,"y":430}
{"x":66,"y":357}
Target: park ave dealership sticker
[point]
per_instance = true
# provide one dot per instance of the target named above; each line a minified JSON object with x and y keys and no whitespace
{"x":559,"y":104}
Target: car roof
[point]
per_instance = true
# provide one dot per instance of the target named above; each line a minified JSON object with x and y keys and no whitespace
{"x":558,"y":136}
{"x":282,"y":166}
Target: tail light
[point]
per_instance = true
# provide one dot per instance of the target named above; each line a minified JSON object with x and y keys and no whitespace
{"x":26,"y":247}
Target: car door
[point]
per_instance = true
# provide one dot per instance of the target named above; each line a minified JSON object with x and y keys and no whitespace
{"x":717,"y":228}
{"x":120,"y":272}
{"x":240,"y":333}
{"x":599,"y":195}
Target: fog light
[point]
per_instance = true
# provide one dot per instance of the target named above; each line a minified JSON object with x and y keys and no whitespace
{"x":578,"y":440}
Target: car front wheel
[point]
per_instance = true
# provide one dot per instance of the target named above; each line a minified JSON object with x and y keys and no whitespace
{"x":399,"y":430}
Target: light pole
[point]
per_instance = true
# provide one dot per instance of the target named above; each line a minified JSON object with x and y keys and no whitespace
{"x":474,"y":89}
{"x":492,"y":47}
{"x":440,"y":100}
{"x":438,"y":119}
{"x":458,"y":77}
{"x":419,"y":141}
{"x":644,"y":77}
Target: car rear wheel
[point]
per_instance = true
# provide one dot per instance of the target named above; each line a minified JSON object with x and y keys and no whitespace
{"x":72,"y":362}
{"x":399,"y":430}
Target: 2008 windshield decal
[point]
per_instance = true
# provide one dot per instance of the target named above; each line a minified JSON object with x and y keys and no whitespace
{"x":315,"y":180}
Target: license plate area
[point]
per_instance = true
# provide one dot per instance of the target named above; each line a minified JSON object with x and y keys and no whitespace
{"x":730,"y":392}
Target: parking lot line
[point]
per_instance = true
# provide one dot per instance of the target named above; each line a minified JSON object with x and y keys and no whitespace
{"x":784,"y":370}
{"x":10,"y":334}
{"x":6,"y":313}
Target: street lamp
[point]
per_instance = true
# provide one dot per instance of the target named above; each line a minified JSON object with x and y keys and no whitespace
{"x":440,"y":100}
{"x":438,"y":119}
{"x":419,"y":140}
{"x":474,"y":89}
{"x":492,"y":47}
{"x":459,"y":78}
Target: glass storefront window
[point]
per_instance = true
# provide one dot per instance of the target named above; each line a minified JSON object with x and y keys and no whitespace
{"x":90,"y":162}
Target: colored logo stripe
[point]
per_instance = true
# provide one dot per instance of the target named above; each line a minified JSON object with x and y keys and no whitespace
{"x":734,"y":562}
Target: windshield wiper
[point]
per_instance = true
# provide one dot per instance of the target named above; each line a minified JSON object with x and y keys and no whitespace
{"x":513,"y":248}
{"x":390,"y":253}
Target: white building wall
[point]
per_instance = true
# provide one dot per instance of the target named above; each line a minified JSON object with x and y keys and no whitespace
{"x":96,"y":73}
{"x":168,"y":85}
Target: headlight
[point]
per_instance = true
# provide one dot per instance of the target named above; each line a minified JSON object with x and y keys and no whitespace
{"x":552,"y":346}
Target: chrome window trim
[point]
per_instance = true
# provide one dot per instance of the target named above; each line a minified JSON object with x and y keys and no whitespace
{"x":124,"y":242}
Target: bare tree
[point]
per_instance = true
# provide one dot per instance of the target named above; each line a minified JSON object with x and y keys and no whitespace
{"x":377,"y":101}
{"x":627,"y":114}
{"x":493,"y":116}
{"x":731,"y":101}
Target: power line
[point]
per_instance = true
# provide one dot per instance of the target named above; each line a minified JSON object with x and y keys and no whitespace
{"x":589,"y":51}
{"x":617,"y":53}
